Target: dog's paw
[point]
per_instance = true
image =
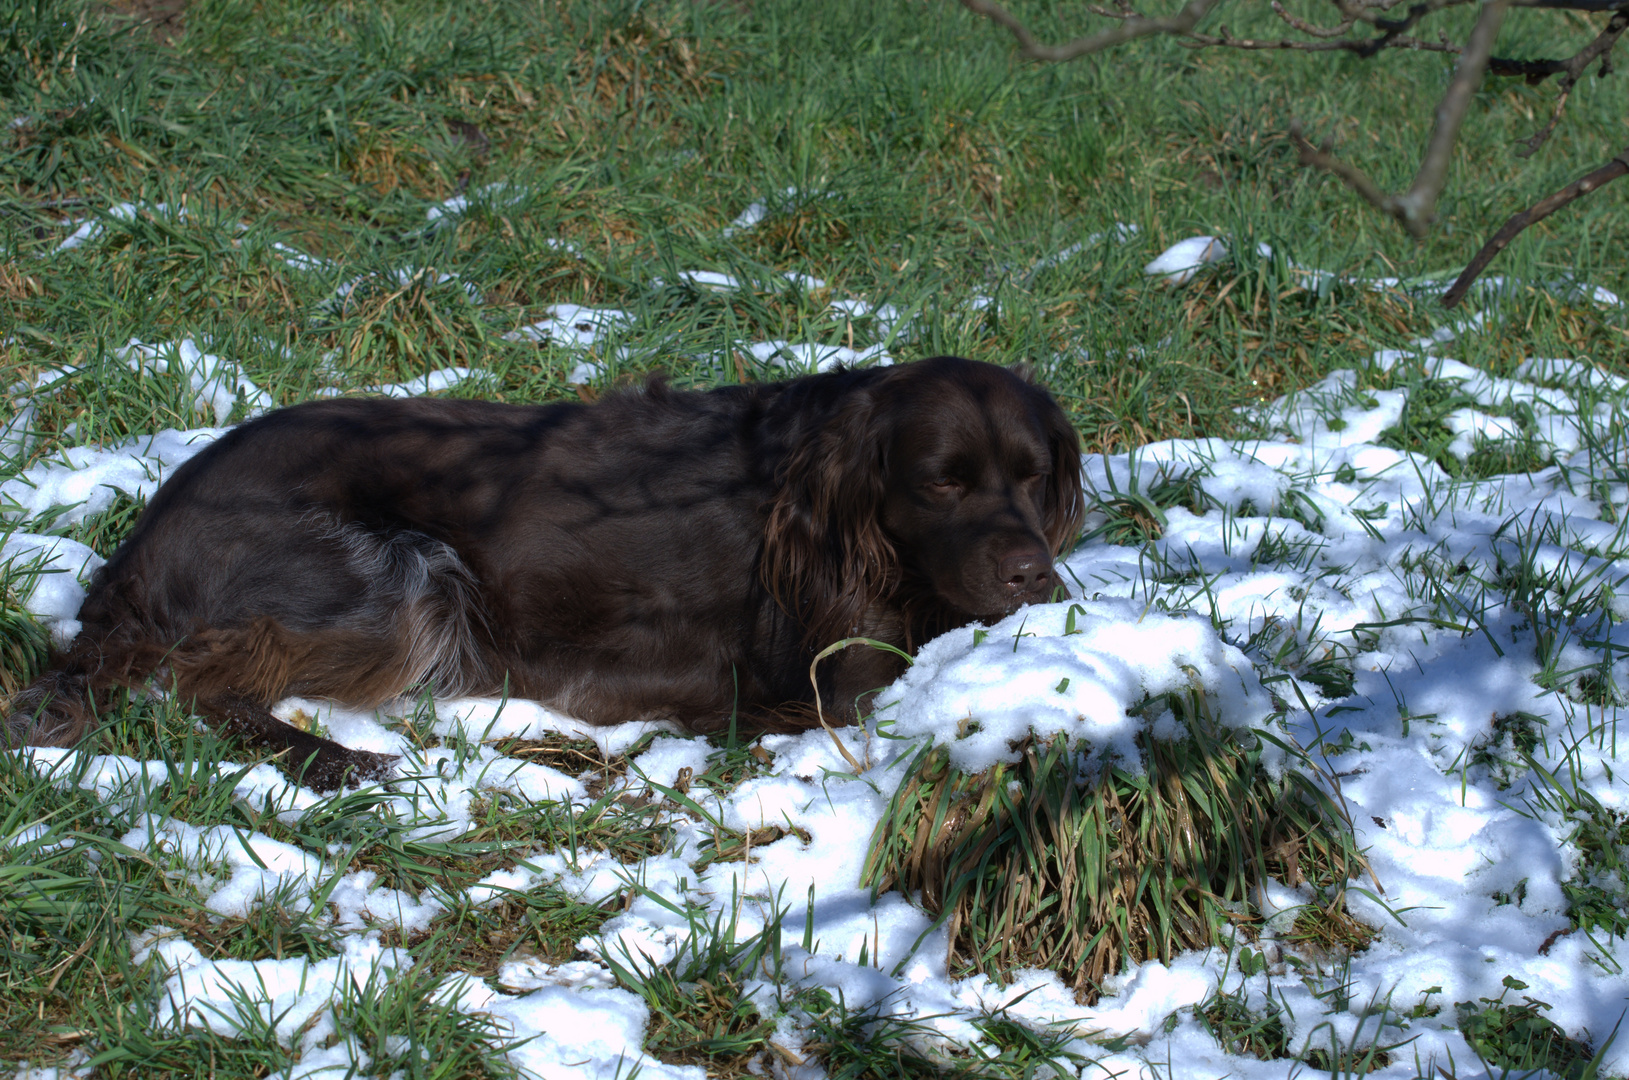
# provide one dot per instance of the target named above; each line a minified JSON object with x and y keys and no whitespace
{"x":369,"y":768}
{"x":341,"y":767}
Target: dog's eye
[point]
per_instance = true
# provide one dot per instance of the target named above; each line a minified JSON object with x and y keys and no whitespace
{"x":942,"y":485}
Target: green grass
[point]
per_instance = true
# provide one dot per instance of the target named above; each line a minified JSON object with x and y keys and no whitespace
{"x":1082,"y":868}
{"x":75,"y":893}
{"x":24,"y":643}
{"x":928,"y":165}
{"x":1519,"y":1038}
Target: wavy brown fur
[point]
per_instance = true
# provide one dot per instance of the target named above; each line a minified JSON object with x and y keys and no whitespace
{"x":663,"y":554}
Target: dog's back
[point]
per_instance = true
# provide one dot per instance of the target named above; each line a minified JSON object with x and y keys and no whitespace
{"x":359,"y":549}
{"x":662,"y":554}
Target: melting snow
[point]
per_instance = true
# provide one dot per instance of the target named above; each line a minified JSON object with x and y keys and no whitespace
{"x":1281,"y":554}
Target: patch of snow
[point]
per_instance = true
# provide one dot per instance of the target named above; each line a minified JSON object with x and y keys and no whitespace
{"x":575,"y":327}
{"x":808,"y":358}
{"x":90,"y":230}
{"x":87,"y":480}
{"x":1072,"y":669}
{"x":218,"y":384}
{"x":1179,"y":262}
{"x":496,"y":195}
{"x":55,"y":589}
{"x":431,"y":382}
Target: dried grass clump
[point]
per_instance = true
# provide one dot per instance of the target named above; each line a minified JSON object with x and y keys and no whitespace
{"x":1056,"y":863}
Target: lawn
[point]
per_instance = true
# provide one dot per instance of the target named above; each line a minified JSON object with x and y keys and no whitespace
{"x":1400,"y":530}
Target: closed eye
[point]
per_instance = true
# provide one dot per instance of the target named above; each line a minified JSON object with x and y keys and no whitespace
{"x":942,"y":485}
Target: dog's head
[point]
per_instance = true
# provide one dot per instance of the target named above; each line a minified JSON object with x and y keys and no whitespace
{"x":956,"y":478}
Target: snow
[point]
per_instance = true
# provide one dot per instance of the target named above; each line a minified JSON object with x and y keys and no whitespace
{"x":715,"y":281}
{"x":55,"y":594}
{"x":1121,"y":233}
{"x":495,"y":195}
{"x":1075,"y":669}
{"x":802,"y":358}
{"x":217,"y":383}
{"x":431,"y":382}
{"x":1308,"y":544}
{"x":1182,"y":260}
{"x":90,"y":230}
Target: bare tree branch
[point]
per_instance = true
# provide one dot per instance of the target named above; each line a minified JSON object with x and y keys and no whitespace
{"x":1395,"y":24}
{"x":1540,"y":210}
{"x":1571,"y":70}
{"x":1419,"y":203}
{"x":1364,"y":47}
{"x":1132,"y":28}
{"x":1597,"y":6}
{"x":1369,"y":12}
{"x":1392,"y":29}
{"x":1417,"y":207}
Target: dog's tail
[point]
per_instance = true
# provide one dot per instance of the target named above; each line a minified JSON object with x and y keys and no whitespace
{"x":53,"y":710}
{"x":62,"y":705}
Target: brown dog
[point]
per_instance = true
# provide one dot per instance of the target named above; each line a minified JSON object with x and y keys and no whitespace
{"x":663,"y":554}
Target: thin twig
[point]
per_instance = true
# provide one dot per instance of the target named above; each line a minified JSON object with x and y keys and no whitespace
{"x":1529,"y":146}
{"x":1320,"y":158}
{"x":1416,"y":207}
{"x":1134,"y":27}
{"x":1309,"y":28}
{"x":1540,"y":210}
{"x":1572,"y":69}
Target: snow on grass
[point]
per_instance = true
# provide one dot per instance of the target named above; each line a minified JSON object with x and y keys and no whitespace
{"x":1084,"y":667}
{"x":1447,"y":645}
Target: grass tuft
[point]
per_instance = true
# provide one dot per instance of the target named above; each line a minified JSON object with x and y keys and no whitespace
{"x":24,"y":643}
{"x":1055,"y":862}
{"x":104,"y":532}
{"x":702,"y":1010}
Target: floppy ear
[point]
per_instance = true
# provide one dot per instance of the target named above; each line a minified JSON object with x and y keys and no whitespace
{"x":826,"y":558}
{"x":1065,"y":505}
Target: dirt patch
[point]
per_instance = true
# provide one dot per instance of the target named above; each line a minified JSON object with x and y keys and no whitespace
{"x":165,"y":20}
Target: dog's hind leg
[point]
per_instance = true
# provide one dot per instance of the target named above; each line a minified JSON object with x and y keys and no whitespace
{"x":232,"y":676}
{"x":312,"y":760}
{"x":416,"y":622}
{"x":335,"y":611}
{"x":61,"y":707}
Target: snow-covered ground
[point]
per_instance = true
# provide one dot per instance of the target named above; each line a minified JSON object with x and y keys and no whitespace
{"x":1450,"y":623}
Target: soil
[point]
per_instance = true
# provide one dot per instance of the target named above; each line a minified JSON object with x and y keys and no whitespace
{"x":164,"y":19}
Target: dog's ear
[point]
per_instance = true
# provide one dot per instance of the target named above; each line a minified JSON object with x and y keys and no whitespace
{"x":1065,"y":505}
{"x":826,"y":557}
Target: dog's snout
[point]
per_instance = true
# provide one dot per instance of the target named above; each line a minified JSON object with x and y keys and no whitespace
{"x":1025,"y":572}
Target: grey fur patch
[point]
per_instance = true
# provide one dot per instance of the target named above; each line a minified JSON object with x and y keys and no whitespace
{"x":421,"y":588}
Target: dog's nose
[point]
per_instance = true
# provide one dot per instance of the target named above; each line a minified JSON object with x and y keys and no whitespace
{"x":1026,"y":571}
